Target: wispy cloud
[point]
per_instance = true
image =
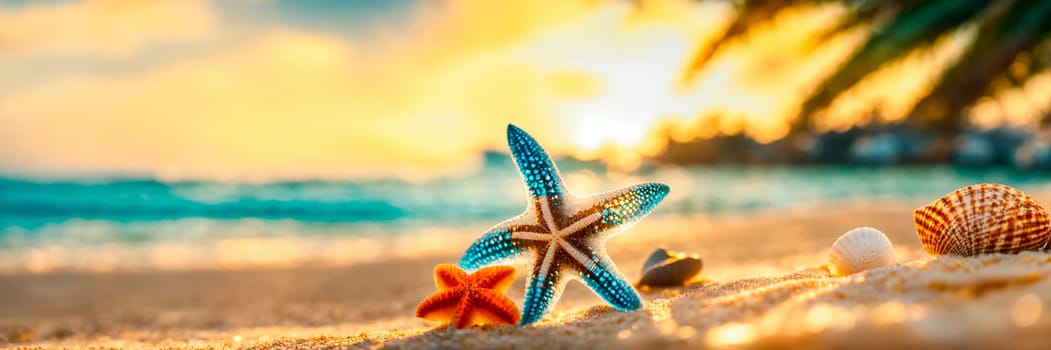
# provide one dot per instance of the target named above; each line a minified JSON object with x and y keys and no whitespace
{"x":262,"y":98}
{"x":289,"y":104}
{"x":101,"y":27}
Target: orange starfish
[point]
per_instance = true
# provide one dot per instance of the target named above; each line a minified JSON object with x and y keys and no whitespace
{"x":466,"y":300}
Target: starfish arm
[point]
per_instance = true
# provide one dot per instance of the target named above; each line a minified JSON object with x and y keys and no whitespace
{"x":564,"y":233}
{"x":622,"y":207}
{"x":539,"y":172}
{"x":542,"y":292}
{"x":496,"y":278}
{"x":465,"y":312}
{"x":494,"y":308}
{"x":609,"y":284}
{"x":494,"y":246}
{"x":440,"y":306}
{"x":448,"y":276}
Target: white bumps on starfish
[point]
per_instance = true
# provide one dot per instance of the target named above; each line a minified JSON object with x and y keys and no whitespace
{"x":563,"y":234}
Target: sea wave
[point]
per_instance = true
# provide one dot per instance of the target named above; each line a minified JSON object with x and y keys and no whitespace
{"x":71,"y":224}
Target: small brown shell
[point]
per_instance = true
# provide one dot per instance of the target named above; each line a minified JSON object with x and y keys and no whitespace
{"x":664,"y":268}
{"x":983,"y":219}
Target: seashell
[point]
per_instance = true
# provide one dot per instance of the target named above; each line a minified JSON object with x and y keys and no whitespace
{"x":858,"y":250}
{"x":982,"y":219}
{"x":665,"y":268}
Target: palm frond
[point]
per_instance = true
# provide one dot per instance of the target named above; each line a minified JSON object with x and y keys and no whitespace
{"x":1000,"y":41}
{"x":749,"y":13}
{"x":866,"y":13}
{"x":918,"y":27}
{"x":1040,"y":58}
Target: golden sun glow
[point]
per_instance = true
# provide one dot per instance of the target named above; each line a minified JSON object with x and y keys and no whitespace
{"x":593,"y":80}
{"x":616,"y":122}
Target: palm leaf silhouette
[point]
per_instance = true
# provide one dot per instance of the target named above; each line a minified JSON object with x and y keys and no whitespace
{"x":1010,"y":34}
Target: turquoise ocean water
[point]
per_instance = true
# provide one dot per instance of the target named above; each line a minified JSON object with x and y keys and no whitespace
{"x":76,"y":215}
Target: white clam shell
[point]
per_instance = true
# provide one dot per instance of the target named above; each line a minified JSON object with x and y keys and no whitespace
{"x":860,"y":249}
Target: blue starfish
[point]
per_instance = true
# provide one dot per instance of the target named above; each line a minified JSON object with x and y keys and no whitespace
{"x":564,"y":234}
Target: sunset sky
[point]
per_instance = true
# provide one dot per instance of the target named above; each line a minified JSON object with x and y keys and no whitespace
{"x":263,"y":90}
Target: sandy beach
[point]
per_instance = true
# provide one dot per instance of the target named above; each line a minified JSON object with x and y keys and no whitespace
{"x":198,"y":174}
{"x":762,"y":285}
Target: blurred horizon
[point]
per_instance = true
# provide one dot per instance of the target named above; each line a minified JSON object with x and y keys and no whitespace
{"x":258,"y":91}
{"x":198,"y":133}
{"x":122,"y":225}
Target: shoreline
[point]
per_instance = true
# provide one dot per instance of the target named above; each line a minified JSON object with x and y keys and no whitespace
{"x":330,"y":250}
{"x":758,"y":288}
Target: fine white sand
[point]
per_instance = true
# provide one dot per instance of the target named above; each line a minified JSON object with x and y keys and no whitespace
{"x":762,"y":285}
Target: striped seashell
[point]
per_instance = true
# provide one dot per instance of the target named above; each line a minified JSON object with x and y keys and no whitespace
{"x":982,"y":219}
{"x":858,"y":250}
{"x":665,"y":268}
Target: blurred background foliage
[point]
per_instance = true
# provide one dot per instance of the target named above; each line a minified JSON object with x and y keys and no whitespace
{"x":198,"y":133}
{"x":1009,"y":43}
{"x":203,"y":90}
